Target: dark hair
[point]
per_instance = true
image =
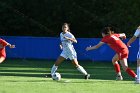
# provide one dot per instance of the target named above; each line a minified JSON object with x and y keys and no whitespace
{"x":67,"y":25}
{"x":108,"y":30}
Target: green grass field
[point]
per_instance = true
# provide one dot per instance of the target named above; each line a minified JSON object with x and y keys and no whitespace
{"x":28,"y":76}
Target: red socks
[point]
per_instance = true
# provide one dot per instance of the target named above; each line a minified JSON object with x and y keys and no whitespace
{"x":131,"y":72}
{"x":117,"y":68}
{"x":128,"y":70}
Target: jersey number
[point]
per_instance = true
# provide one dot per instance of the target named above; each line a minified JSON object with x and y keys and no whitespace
{"x":116,"y":38}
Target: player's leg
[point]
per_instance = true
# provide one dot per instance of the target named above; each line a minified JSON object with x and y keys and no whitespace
{"x":60,"y":59}
{"x":55,"y":66}
{"x":80,"y":68}
{"x":138,"y":68}
{"x":117,"y":67}
{"x":2,"y":59}
{"x":126,"y":68}
{"x":138,"y":71}
{"x":72,"y":55}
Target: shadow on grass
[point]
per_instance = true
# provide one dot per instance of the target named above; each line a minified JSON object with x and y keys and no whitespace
{"x":39,"y":68}
{"x":22,"y":75}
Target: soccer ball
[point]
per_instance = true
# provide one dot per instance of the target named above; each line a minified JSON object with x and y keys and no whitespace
{"x":56,"y":76}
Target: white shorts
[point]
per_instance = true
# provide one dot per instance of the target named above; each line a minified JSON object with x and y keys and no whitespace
{"x":71,"y":54}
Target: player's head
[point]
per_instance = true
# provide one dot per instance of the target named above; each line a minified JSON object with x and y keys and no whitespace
{"x":65,"y":27}
{"x":107,"y":31}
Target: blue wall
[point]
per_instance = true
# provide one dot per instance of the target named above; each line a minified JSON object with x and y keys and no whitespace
{"x":48,"y":48}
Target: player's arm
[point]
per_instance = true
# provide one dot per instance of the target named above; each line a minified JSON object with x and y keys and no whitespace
{"x":11,"y":46}
{"x":60,"y":45}
{"x":122,"y":35}
{"x":131,"y":40}
{"x":136,"y":34}
{"x":71,"y":39}
{"x":95,"y":47}
{"x":4,"y":43}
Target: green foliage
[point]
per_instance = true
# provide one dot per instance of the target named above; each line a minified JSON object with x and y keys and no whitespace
{"x":87,"y":18}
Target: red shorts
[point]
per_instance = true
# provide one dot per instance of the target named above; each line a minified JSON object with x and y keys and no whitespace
{"x":2,"y":53}
{"x":123,"y":54}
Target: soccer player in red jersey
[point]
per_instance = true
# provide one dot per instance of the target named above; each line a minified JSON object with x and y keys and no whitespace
{"x":114,"y":41}
{"x":3,"y":44}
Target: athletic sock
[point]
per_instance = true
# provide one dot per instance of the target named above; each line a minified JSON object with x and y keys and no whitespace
{"x":53,"y":70}
{"x":82,"y":70}
{"x":138,"y":73}
{"x":131,"y":72}
{"x":117,"y":68}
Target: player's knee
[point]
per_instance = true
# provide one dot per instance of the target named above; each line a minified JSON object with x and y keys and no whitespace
{"x":114,"y":61}
{"x":2,"y":59}
{"x":75,"y":64}
{"x":124,"y":68}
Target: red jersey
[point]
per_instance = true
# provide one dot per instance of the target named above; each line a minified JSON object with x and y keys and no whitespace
{"x":3,"y":43}
{"x":115,"y":43}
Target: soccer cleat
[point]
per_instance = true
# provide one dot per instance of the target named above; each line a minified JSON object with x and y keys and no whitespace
{"x":119,"y":77}
{"x":87,"y":76}
{"x":137,"y":81}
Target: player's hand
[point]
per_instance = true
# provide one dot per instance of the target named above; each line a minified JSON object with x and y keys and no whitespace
{"x":61,"y":47}
{"x":128,"y":45}
{"x":124,"y":37}
{"x":12,"y":46}
{"x":88,"y":48}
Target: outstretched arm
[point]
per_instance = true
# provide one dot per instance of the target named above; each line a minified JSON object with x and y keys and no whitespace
{"x":5,"y":43}
{"x":95,"y":47}
{"x":131,"y":40}
{"x":136,"y":34}
{"x":11,"y":46}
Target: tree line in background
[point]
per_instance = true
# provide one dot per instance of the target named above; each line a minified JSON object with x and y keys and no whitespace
{"x":87,"y":17}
